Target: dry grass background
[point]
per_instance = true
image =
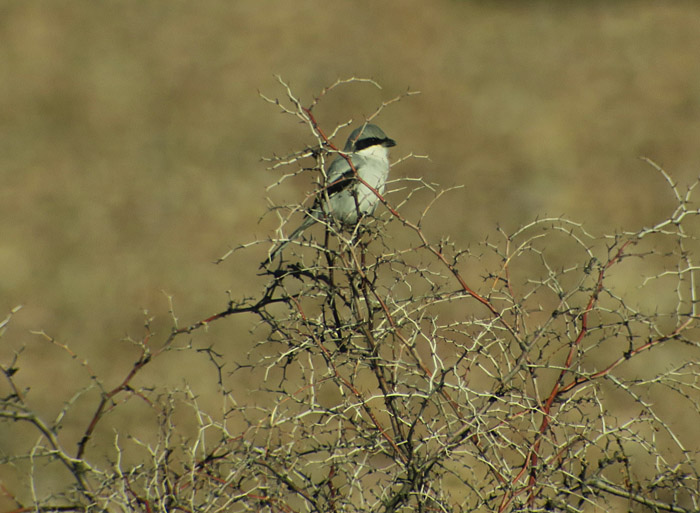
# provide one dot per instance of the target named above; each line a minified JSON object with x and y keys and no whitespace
{"x":131,"y":136}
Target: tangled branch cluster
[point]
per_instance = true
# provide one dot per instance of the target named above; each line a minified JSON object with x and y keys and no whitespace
{"x":387,"y":380}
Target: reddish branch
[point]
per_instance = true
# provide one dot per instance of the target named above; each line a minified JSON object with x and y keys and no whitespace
{"x":559,"y":388}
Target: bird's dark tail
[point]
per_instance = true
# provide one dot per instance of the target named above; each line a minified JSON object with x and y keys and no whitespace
{"x":308,"y":221}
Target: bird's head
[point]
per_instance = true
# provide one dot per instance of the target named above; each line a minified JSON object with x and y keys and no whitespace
{"x":367,"y":136}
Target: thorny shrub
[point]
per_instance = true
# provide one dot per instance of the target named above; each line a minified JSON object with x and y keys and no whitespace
{"x":387,"y":380}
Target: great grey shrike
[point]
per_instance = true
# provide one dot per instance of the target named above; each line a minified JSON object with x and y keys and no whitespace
{"x":349,"y":198}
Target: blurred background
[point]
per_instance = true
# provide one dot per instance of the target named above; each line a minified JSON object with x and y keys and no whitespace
{"x":131,"y":137}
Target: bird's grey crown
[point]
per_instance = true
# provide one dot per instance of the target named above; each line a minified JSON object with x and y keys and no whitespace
{"x":368,"y":131}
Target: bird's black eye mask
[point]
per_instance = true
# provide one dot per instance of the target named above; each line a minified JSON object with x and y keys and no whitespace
{"x":372,"y":141}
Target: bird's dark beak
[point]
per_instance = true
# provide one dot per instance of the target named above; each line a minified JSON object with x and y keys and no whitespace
{"x":388,"y":143}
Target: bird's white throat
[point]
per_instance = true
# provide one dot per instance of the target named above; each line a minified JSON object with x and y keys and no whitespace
{"x":375,"y":152}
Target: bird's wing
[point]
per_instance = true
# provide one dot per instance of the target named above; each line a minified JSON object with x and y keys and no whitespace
{"x":340,"y":174}
{"x":338,"y":168}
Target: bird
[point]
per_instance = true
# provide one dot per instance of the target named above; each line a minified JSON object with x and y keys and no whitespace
{"x":367,"y":148}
